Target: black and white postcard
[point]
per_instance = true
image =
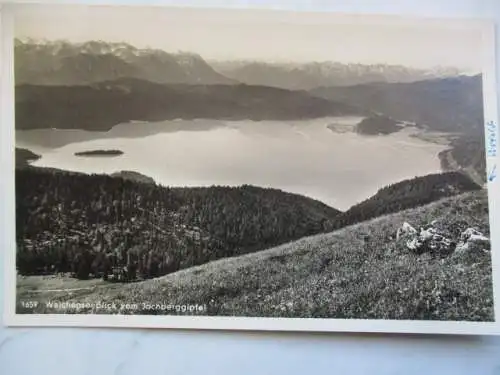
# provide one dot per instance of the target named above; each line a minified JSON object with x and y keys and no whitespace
{"x":249,"y":169}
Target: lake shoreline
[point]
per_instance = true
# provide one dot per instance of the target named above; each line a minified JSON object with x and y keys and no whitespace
{"x":301,"y":157}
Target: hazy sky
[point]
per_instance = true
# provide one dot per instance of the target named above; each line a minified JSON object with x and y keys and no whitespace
{"x":261,"y":35}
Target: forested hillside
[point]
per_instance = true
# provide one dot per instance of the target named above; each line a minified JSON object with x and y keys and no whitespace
{"x":451,"y":105}
{"x":378,"y":125}
{"x":133,"y":176}
{"x":100,"y":106}
{"x":358,"y":272}
{"x":23,"y":157}
{"x":447,"y":104}
{"x":93,"y":225}
{"x":407,"y":194}
{"x":96,"y":224}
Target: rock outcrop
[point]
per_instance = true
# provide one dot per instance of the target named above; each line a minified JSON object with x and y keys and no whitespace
{"x":439,"y":242}
{"x":472,"y":241}
{"x":405,"y":230}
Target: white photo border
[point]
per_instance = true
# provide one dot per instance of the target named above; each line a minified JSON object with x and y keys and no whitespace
{"x":7,"y":138}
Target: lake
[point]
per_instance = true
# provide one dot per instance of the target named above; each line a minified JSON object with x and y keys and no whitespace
{"x":310,"y":157}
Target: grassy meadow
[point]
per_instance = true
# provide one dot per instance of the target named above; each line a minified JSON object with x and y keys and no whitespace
{"x":358,"y":272}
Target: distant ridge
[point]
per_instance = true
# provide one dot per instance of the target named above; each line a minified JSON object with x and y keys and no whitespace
{"x":102,"y":105}
{"x":453,"y":104}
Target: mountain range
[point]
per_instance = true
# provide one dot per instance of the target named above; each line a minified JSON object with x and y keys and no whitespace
{"x":128,"y":228}
{"x":306,"y":76}
{"x":66,"y":85}
{"x":438,"y":99}
{"x":63,"y":63}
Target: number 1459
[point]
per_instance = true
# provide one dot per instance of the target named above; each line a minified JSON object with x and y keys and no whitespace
{"x":29,"y":304}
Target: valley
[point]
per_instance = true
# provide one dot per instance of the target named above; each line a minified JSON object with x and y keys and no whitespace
{"x":254,"y":189}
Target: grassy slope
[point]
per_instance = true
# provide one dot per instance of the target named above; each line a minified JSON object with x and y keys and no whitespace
{"x":335,"y":275}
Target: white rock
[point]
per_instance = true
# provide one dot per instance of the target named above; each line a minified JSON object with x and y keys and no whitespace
{"x":427,"y":234}
{"x":408,"y":228}
{"x":471,"y":241}
{"x":413,"y":244}
{"x":466,"y":234}
{"x":462,"y":247}
{"x":478,"y":238}
{"x":405,"y":229}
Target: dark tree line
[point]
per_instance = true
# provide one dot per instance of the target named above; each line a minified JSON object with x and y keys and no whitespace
{"x":101,"y":226}
{"x":407,"y":194}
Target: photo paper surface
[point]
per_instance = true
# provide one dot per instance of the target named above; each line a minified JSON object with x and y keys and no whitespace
{"x":237,"y":169}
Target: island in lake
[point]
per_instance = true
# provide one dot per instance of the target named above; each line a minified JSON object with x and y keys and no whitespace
{"x":100,"y":153}
{"x":376,"y":125}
